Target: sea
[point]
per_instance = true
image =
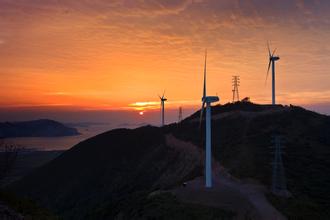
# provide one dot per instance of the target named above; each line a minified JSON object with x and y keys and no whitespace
{"x":103,"y":121}
{"x":59,"y":143}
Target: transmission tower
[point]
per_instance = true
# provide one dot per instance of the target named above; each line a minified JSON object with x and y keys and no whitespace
{"x":236,"y":83}
{"x":278,"y":176}
{"x":180,"y":114}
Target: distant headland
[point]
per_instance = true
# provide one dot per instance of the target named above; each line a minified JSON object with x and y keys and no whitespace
{"x":36,"y":128}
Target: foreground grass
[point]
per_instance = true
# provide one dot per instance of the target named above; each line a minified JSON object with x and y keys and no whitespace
{"x":25,"y":207}
{"x":166,"y":206}
{"x":162,"y":206}
{"x":299,"y":208}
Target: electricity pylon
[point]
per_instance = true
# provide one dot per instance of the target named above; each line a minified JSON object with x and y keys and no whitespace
{"x":236,"y":83}
{"x":278,"y":174}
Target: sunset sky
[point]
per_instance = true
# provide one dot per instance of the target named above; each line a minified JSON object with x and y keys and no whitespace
{"x":109,"y":55}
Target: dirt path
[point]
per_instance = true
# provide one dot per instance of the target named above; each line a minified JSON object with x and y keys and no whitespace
{"x":245,"y":199}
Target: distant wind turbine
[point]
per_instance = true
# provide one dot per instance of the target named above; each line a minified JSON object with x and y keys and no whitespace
{"x":162,"y":104}
{"x":272,"y":60}
{"x":208,"y":100}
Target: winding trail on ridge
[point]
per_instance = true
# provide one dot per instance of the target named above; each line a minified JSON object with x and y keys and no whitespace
{"x":247,"y":200}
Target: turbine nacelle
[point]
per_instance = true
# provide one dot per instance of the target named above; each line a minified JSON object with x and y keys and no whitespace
{"x":162,"y":98}
{"x":274,"y":58}
{"x":210,"y":99}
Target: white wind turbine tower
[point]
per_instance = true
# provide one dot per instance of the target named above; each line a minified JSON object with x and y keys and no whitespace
{"x":208,"y":100}
{"x":162,"y":104}
{"x":272,"y":60}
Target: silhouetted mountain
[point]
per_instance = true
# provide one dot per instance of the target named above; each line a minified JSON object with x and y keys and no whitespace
{"x":36,"y":128}
{"x":112,"y":174}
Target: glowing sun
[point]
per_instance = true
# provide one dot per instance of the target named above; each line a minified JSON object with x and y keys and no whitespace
{"x":141,"y":113}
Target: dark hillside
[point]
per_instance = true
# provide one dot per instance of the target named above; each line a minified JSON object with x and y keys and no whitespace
{"x":113,"y":169}
{"x":242,"y":134}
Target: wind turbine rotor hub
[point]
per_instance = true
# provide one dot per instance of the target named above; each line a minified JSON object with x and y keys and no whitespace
{"x":210,"y":99}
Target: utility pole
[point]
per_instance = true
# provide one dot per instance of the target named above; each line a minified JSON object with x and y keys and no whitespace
{"x":180,"y":114}
{"x":162,"y":106}
{"x":236,"y":83}
{"x":278,"y":176}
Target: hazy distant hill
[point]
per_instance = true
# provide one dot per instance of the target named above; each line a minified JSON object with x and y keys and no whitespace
{"x":111,"y":175}
{"x":36,"y":128}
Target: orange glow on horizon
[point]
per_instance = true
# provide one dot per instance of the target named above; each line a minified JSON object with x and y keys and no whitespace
{"x":121,"y":58}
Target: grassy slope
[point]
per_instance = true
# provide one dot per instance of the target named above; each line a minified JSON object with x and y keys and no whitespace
{"x":161,"y":206}
{"x":106,"y":172}
{"x":241,"y":143}
{"x":26,"y":208}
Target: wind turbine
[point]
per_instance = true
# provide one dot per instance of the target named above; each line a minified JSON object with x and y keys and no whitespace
{"x":162,"y":104}
{"x":272,"y":60}
{"x":208,"y":100}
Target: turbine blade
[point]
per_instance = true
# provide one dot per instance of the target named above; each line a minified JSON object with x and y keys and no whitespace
{"x":274,"y":52}
{"x":163,"y":93}
{"x":268,"y":49}
{"x":204,"y":87}
{"x":159,"y":97}
{"x":201,"y":115}
{"x":268,"y":70}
